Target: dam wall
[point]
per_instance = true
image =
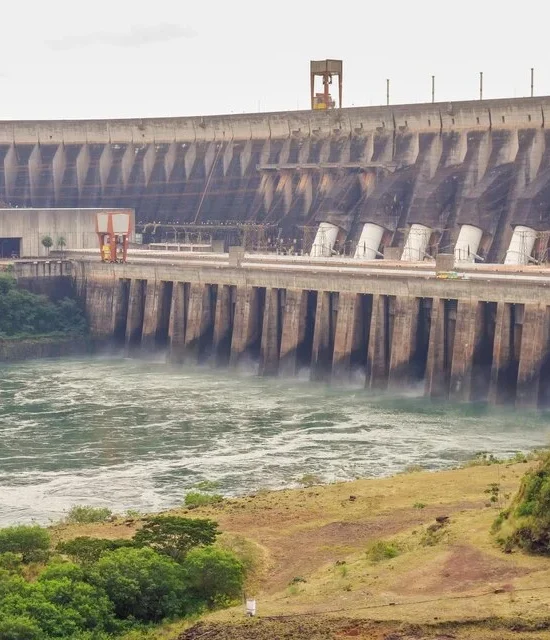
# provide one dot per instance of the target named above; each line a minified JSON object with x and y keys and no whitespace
{"x":426,"y":178}
{"x":484,"y":336}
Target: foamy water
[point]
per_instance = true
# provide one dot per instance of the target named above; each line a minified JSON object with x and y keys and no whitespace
{"x":136,"y":434}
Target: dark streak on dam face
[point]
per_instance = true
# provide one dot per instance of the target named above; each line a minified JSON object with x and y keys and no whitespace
{"x":482,"y":164}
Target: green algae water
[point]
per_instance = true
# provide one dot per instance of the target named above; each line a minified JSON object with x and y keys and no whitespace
{"x":134,"y":434}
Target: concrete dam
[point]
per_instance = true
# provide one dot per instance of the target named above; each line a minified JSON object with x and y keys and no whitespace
{"x":410,"y":194}
{"x":466,"y":177}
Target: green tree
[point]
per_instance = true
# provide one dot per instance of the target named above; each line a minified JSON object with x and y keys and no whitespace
{"x":142,"y":584}
{"x":47,"y":243}
{"x":213,"y":575}
{"x":87,"y":550}
{"x":61,"y":243}
{"x":526,"y":524}
{"x":175,"y":536}
{"x":19,"y":628}
{"x":32,"y":542}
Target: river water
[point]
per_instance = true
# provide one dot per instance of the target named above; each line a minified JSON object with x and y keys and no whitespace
{"x":132,"y":434}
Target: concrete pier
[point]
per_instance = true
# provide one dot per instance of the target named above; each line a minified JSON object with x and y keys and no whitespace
{"x":483,"y":335}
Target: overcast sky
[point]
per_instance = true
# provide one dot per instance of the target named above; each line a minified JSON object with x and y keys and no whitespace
{"x":120,"y":58}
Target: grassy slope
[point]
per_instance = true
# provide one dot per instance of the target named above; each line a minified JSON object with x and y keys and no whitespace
{"x":304,"y":533}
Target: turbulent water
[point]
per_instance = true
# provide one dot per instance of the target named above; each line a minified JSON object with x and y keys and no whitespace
{"x":136,"y":434}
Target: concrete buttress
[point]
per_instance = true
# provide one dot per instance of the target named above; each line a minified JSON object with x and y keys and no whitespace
{"x":378,"y":356}
{"x":223,"y":325}
{"x":467,"y":316}
{"x":271,"y":334}
{"x":178,"y":321}
{"x":199,"y":316}
{"x":435,"y":366}
{"x":403,"y":340}
{"x":294,"y":329}
{"x":151,"y":315}
{"x":246,"y":325}
{"x":532,"y":355}
{"x":348,"y":337}
{"x":321,"y":356}
{"x":134,"y":323}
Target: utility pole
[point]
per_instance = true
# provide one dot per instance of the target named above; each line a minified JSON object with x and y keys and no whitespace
{"x":433,"y":89}
{"x":532,"y":82}
{"x":388,"y":91}
{"x":481,"y":85}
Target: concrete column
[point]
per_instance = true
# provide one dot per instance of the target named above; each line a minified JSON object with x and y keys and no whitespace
{"x":435,"y":365}
{"x":227,"y":157}
{"x":150,"y":315}
{"x":198,"y":320}
{"x":467,"y":317}
{"x":294,"y":329}
{"x":149,"y":159}
{"x":170,"y":160}
{"x":121,"y":296}
{"x":348,"y":337}
{"x":178,"y":318}
{"x":134,"y":323}
{"x":99,"y":295}
{"x":405,"y":322}
{"x":35,"y":167}
{"x":105,"y":164}
{"x":59,"y":164}
{"x":271,"y":332}
{"x":221,"y":343}
{"x":502,"y":354}
{"x":246,"y":327}
{"x":10,"y":172}
{"x":321,"y":354}
{"x":377,"y":359}
{"x":189,"y":159}
{"x":127,"y":164}
{"x":534,"y":349}
{"x":82,"y":166}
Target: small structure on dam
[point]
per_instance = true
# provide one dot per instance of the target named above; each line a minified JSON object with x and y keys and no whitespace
{"x":22,"y":230}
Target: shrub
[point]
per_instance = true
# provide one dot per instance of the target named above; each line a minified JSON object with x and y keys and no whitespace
{"x":419,"y":505}
{"x":10,"y":561}
{"x":23,"y":313}
{"x":87,"y":550}
{"x":196,"y":499}
{"x":85,"y":514}
{"x":142,"y":584}
{"x":310,"y":480}
{"x":527,"y":522}
{"x":381,"y":550}
{"x":30,"y":541}
{"x":60,"y":608}
{"x":207,"y":485}
{"x":213,"y":575}
{"x":174,"y":536}
{"x":19,"y":628}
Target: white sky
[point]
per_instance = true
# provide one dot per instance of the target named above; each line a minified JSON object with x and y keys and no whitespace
{"x":130,"y":58}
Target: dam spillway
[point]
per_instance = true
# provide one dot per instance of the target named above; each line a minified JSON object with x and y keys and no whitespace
{"x":482,"y":337}
{"x":469,"y":177}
